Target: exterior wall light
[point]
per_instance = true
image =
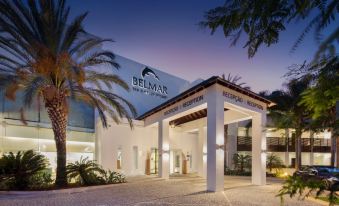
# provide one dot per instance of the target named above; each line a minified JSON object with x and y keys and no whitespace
{"x":165,"y":155}
{"x":204,"y":157}
{"x":165,"y":147}
{"x":220,"y":146}
{"x":165,"y":152}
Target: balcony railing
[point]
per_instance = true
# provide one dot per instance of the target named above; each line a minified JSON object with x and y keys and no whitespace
{"x":279,"y":144}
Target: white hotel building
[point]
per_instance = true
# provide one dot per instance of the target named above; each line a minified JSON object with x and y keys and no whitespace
{"x":180,"y":129}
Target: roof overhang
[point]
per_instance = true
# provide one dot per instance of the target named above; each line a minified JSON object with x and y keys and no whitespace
{"x":201,"y":86}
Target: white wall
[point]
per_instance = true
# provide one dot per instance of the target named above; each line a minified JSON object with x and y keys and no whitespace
{"x":187,"y":142}
{"x":116,"y":137}
{"x":121,"y":137}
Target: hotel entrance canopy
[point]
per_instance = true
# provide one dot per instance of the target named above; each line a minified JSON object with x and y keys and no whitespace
{"x":216,"y":96}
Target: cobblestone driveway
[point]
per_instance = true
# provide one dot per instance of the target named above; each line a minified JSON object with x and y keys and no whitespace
{"x":151,"y":191}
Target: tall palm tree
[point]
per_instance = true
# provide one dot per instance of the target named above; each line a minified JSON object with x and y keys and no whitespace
{"x":46,"y":56}
{"x":288,"y":113}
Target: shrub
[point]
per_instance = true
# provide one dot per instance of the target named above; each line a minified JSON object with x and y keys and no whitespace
{"x":237,"y":172}
{"x":41,"y":180}
{"x":295,"y":185}
{"x":112,"y":177}
{"x":85,"y":172}
{"x":88,"y":172}
{"x":16,"y":170}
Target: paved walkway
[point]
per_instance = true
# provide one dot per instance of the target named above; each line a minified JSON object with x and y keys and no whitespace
{"x":152,"y":191}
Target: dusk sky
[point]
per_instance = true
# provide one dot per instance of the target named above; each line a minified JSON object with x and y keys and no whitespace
{"x":165,"y":35}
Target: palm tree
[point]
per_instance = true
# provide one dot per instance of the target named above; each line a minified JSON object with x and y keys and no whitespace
{"x":235,"y":80}
{"x":288,"y":113}
{"x":242,"y":161}
{"x":47,"y":57}
{"x":274,"y":161}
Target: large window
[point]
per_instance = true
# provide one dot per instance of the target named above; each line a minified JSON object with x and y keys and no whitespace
{"x":17,"y":138}
{"x":38,"y":136}
{"x":81,"y":115}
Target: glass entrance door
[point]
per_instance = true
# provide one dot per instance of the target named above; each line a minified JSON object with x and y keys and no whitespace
{"x":154,"y":161}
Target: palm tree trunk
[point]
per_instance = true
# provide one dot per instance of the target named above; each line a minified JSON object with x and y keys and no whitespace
{"x":333,"y":149}
{"x":298,"y":133}
{"x":57,"y":113}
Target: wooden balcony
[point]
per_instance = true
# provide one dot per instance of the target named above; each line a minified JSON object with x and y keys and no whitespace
{"x":279,"y":144}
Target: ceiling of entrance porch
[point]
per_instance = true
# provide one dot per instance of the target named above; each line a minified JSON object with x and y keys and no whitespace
{"x":230,"y":116}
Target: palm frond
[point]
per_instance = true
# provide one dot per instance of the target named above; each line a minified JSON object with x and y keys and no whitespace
{"x":41,"y":47}
{"x":107,"y":79}
{"x":33,"y":87}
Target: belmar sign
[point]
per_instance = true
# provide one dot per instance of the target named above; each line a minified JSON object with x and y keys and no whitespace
{"x":149,"y":83}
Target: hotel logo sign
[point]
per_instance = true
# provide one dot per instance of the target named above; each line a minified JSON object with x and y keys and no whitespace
{"x":149,"y":83}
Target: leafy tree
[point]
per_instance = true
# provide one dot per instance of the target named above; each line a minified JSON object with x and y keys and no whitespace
{"x":48,"y":57}
{"x":242,"y":161}
{"x":288,"y":113}
{"x":262,"y":21}
{"x":321,"y":99}
{"x":17,"y":169}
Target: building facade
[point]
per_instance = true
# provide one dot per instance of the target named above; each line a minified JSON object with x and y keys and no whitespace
{"x":180,"y":124}
{"x":316,"y":147}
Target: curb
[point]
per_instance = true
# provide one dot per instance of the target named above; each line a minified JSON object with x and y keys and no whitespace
{"x":321,"y":202}
{"x":59,"y":191}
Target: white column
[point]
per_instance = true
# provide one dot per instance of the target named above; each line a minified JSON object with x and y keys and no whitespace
{"x":259,"y":149}
{"x":215,"y":140}
{"x":312,"y":144}
{"x":163,"y":148}
{"x":202,"y":152}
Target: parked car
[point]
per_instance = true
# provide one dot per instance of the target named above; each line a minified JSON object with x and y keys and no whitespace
{"x":329,"y":175}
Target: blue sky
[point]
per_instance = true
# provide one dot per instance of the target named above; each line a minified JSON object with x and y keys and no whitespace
{"x":165,"y":35}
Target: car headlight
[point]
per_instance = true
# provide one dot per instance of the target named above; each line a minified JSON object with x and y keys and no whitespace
{"x":332,"y":179}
